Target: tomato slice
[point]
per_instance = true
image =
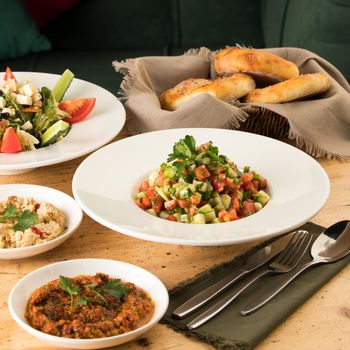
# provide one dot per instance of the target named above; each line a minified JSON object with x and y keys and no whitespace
{"x":10,"y":142}
{"x":9,"y":74}
{"x":78,"y":108}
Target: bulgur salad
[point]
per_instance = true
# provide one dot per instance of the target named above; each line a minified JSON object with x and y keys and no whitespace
{"x":198,"y":185}
{"x":25,"y":222}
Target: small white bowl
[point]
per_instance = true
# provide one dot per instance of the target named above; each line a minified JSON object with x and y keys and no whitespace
{"x":23,"y":289}
{"x":62,"y":201}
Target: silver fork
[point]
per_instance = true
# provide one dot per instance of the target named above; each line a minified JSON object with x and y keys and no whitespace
{"x":285,"y":262}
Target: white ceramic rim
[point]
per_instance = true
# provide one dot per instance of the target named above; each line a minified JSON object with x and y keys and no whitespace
{"x":317,"y":204}
{"x":70,"y":230}
{"x":112,"y":130}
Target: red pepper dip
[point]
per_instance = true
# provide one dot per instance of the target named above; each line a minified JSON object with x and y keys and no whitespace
{"x":87,"y":307}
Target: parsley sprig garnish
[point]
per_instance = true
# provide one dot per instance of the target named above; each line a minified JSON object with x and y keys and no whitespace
{"x":184,"y":149}
{"x":113,"y":288}
{"x":23,"y":219}
{"x":67,"y":285}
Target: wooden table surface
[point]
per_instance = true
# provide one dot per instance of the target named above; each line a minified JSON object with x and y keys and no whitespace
{"x":322,"y":323}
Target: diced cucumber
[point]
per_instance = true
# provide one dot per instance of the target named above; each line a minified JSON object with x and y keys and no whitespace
{"x":262,"y":197}
{"x":151,"y":211}
{"x":59,"y":129}
{"x":205,"y":160}
{"x":62,"y":85}
{"x":178,"y":187}
{"x":185,"y":218}
{"x":204,"y":187}
{"x":240,"y":195}
{"x":216,"y":198}
{"x":140,"y":195}
{"x":163,"y":214}
{"x":178,"y":216}
{"x":258,"y":206}
{"x":197,"y":184}
{"x":226,"y":201}
{"x":215,"y":221}
{"x":198,"y":219}
{"x":152,"y":177}
{"x":230,"y":172}
{"x":169,"y":172}
{"x":162,"y":194}
{"x":219,"y":207}
{"x":205,"y":209}
{"x":210,"y":216}
{"x":185,"y":193}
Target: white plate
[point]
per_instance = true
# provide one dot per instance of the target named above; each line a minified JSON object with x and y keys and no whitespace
{"x":101,"y":126}
{"x":103,"y":185}
{"x":23,"y":289}
{"x":62,"y":201}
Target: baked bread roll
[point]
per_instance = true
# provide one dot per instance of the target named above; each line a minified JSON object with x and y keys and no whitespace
{"x":262,"y":65}
{"x":293,"y":89}
{"x":226,"y":89}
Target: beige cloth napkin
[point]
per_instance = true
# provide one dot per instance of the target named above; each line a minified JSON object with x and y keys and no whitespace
{"x":320,"y":125}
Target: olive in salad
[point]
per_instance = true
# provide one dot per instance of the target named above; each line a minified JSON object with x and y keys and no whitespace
{"x":32,"y":118}
{"x":198,"y":185}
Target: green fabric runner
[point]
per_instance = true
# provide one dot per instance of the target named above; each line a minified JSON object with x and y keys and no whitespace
{"x":230,"y":330}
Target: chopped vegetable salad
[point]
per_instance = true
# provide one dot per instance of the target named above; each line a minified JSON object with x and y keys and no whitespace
{"x":31,"y":118}
{"x":199,"y":186}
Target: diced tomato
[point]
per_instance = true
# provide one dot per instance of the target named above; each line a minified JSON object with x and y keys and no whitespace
{"x":235,"y":203}
{"x":248,"y":208}
{"x":229,"y":183}
{"x":222,"y":213}
{"x":140,"y":204}
{"x":10,"y":142}
{"x":157,"y":204}
{"x":38,"y":232}
{"x":263,"y":183}
{"x":183,"y":203}
{"x":203,"y":147}
{"x":151,"y":192}
{"x":247,"y":177}
{"x":160,"y":180}
{"x":217,"y":184}
{"x":78,"y":108}
{"x":172,"y":204}
{"x":192,"y":211}
{"x":171,"y":218}
{"x":9,"y":74}
{"x":230,"y":216}
{"x":256,"y":184}
{"x":195,"y":198}
{"x":144,"y":185}
{"x":146,"y":202}
{"x":201,"y":172}
{"x":219,"y":170}
{"x":249,"y":186}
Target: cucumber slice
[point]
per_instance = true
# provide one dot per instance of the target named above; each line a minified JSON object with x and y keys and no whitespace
{"x":198,"y":219}
{"x":60,"y":128}
{"x":62,"y":85}
{"x":226,"y":201}
{"x":205,"y":209}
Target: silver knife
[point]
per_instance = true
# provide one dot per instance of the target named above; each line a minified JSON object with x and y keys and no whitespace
{"x":254,"y":261}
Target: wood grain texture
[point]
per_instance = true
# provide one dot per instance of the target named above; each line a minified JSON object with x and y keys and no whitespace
{"x":322,"y":323}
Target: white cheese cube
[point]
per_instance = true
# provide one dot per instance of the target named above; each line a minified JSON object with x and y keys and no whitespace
{"x":36,"y":96}
{"x":28,"y":89}
{"x":24,"y":100}
{"x":10,"y":110}
{"x":11,"y":83}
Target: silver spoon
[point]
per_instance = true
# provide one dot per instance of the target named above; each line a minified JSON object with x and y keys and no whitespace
{"x":331,"y":245}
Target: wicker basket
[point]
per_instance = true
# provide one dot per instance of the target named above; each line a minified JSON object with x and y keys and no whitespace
{"x":264,"y":122}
